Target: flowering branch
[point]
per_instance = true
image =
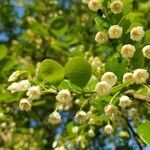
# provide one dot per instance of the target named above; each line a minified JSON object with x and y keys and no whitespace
{"x":138,"y":97}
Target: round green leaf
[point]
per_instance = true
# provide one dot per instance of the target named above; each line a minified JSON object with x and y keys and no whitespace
{"x":3,"y":51}
{"x":59,"y":26}
{"x":116,"y":65}
{"x":50,"y":71}
{"x":143,"y":131}
{"x":78,"y":71}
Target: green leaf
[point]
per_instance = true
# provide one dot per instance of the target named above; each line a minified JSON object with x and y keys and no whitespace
{"x":50,"y":71}
{"x":100,"y":102}
{"x":69,"y":128}
{"x":76,"y":51}
{"x":59,"y":26}
{"x":143,"y":131}
{"x":138,"y":60}
{"x":78,"y":71}
{"x":136,"y":19}
{"x":7,"y":97}
{"x":101,"y":23}
{"x":118,"y":88}
{"x":3,"y":51}
{"x":125,"y":23}
{"x":71,"y":37}
{"x":105,"y":3}
{"x":38,"y":28}
{"x":127,"y":6}
{"x":7,"y":64}
{"x":117,"y":65}
{"x":65,"y":84}
{"x":39,"y":103}
{"x":91,"y":84}
{"x":147,"y":37}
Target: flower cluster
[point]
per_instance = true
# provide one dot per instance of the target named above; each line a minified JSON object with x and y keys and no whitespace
{"x":108,"y":80}
{"x":33,"y":92}
{"x":138,"y":76}
{"x":125,"y":101}
{"x":95,"y":63}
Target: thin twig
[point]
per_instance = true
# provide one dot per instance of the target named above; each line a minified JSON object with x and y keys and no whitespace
{"x":138,"y":97}
{"x":133,"y":133}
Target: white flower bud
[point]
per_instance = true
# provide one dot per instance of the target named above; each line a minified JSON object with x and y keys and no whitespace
{"x":128,"y":78}
{"x":2,"y":115}
{"x":24,"y":85}
{"x":94,"y":5}
{"x":110,"y":110}
{"x":116,"y":6}
{"x":103,"y":88}
{"x":14,"y":87}
{"x":91,"y":59}
{"x":59,"y":106}
{"x":87,"y":55}
{"x":77,"y":101}
{"x":60,"y":148}
{"x":85,"y":1}
{"x":30,"y":19}
{"x":133,"y":112}
{"x":96,"y":62}
{"x":137,"y":33}
{"x":109,"y":77}
{"x":75,"y":129}
{"x":14,"y":76}
{"x":38,"y":41}
{"x":70,"y":146}
{"x":108,"y":129}
{"x":101,"y":37}
{"x":124,"y":134}
{"x":124,"y":101}
{"x":146,"y":51}
{"x":64,"y":97}
{"x":91,"y":133}
{"x":115,"y":32}
{"x":140,"y":75}
{"x":55,"y":143}
{"x":55,"y":118}
{"x":25,"y":104}
{"x":81,"y":117}
{"x":30,"y":32}
{"x":89,"y":114}
{"x":91,"y":121}
{"x":3,"y":125}
{"x":127,"y":51}
{"x":34,"y":92}
{"x":80,"y":138}
{"x":13,"y":124}
{"x":67,"y":107}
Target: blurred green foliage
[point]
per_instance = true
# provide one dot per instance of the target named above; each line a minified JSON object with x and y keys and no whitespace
{"x":51,"y":32}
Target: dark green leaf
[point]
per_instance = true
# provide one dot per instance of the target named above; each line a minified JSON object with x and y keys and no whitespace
{"x":51,"y":71}
{"x":59,"y":26}
{"x":116,"y":65}
{"x":78,"y":71}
